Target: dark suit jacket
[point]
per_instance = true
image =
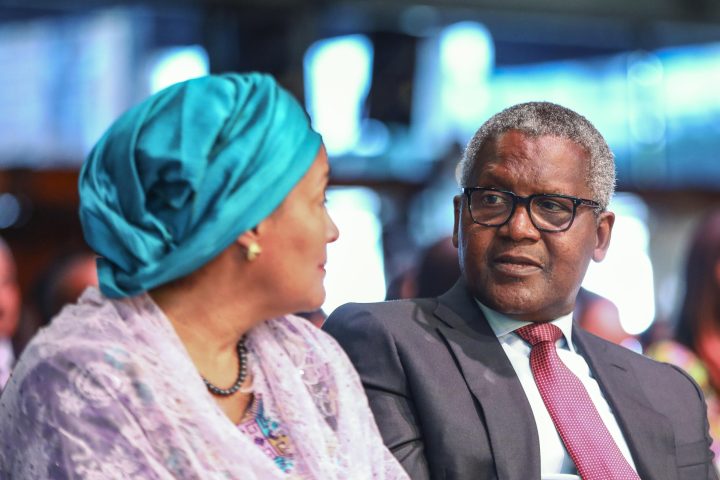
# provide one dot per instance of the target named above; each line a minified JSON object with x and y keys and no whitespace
{"x":449,"y":405}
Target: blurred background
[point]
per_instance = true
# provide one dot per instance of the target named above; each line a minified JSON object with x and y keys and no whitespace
{"x":396,"y":88}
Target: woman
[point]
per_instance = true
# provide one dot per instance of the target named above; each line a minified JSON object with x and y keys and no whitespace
{"x":696,"y":348}
{"x":206,"y":205}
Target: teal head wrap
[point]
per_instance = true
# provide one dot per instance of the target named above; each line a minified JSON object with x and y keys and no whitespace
{"x":177,"y":178}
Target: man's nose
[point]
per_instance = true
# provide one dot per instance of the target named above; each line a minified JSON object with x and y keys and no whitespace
{"x":520,"y":225}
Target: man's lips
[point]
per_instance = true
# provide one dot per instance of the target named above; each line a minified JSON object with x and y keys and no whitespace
{"x":517,"y":265}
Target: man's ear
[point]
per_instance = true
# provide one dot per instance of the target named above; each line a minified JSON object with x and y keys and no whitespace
{"x":457,"y":212}
{"x":603,"y":233}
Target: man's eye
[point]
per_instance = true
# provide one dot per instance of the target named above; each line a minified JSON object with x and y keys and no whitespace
{"x":552,"y":205}
{"x":491,"y":200}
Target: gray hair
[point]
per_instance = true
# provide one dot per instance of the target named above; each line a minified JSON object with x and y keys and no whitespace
{"x":537,"y":119}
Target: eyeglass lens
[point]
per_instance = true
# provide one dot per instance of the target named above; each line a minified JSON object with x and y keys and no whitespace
{"x":547,"y":212}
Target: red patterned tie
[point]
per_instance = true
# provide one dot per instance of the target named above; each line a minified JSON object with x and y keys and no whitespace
{"x":576,"y":419}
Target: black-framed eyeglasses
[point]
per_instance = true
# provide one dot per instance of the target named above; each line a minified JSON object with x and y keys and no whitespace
{"x":492,"y":207}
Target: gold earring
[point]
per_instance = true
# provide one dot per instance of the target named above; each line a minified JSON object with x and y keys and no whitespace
{"x":253,"y":250}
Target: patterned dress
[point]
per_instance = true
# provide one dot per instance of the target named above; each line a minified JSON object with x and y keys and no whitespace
{"x":267,"y":433}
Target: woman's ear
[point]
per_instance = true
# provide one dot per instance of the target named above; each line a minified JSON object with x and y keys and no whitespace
{"x":248,"y":237}
{"x":249,"y":241}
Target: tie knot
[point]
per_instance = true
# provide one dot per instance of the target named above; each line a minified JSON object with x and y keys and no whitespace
{"x":539,"y":332}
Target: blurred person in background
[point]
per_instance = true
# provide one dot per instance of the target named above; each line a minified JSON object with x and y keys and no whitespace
{"x":600,"y":316}
{"x":437,"y":270}
{"x":206,"y":204}
{"x":696,"y":346}
{"x":9,"y":311}
{"x":63,"y":281}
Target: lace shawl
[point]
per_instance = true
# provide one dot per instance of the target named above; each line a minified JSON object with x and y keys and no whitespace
{"x":108,"y":391}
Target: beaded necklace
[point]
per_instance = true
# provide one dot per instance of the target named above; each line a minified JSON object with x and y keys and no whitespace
{"x":242,"y":361}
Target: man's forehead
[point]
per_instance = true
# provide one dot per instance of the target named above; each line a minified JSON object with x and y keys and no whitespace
{"x":551,"y":163}
{"x":514,"y":145}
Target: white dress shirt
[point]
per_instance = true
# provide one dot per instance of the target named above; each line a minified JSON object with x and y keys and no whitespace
{"x":555,"y":462}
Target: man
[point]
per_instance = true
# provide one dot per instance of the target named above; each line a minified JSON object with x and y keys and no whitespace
{"x":9,"y":311}
{"x":493,"y":380}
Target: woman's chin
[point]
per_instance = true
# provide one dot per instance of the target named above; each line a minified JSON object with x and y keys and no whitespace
{"x":314,"y":302}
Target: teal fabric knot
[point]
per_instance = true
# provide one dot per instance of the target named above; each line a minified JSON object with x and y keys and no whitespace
{"x":177,"y":178}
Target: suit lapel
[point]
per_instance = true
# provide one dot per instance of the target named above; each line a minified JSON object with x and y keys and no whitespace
{"x":648,"y":433}
{"x":491,"y":379}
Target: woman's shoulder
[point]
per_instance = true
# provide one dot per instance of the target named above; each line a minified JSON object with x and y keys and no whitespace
{"x":87,"y":343}
{"x":49,"y":365}
{"x":306,"y":344}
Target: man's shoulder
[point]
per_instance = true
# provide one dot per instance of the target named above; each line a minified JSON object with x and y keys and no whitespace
{"x":646,"y":368}
{"x":388,"y":315}
{"x":386,"y":307}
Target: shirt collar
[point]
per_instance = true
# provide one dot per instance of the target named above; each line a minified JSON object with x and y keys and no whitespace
{"x":503,"y":325}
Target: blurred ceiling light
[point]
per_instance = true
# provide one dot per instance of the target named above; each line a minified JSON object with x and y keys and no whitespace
{"x":467,"y":56}
{"x":690,"y":76}
{"x":337,"y":81}
{"x":355,"y":266}
{"x":9,"y":210}
{"x":176,"y":64}
{"x":466,"y":52}
{"x":646,"y":113}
